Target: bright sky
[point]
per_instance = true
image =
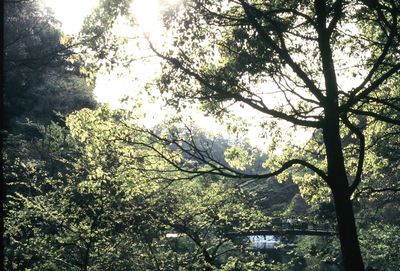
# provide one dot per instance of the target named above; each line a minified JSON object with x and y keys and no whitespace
{"x":110,"y":88}
{"x":71,"y":13}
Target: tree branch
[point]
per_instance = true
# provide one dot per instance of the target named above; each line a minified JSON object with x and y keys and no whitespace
{"x":216,"y":167}
{"x":251,"y":13}
{"x":375,"y":116}
{"x":361,"y":155}
{"x":354,"y":97}
{"x":372,"y":87}
{"x":337,"y":9}
{"x":235,"y":96}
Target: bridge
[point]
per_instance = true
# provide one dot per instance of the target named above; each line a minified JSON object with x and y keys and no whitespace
{"x":288,"y":227}
{"x":269,"y":237}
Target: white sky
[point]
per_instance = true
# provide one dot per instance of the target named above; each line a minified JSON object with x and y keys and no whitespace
{"x":71,"y":13}
{"x":110,"y":88}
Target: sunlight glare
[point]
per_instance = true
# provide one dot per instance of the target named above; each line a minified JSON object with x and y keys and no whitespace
{"x":69,"y":15}
{"x":147,"y":15}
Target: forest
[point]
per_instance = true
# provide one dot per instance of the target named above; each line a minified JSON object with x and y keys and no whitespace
{"x":89,"y":186}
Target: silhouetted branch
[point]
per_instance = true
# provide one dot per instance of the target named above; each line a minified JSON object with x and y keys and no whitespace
{"x":361,"y":155}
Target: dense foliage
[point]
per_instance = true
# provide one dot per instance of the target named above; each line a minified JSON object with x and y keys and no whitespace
{"x":90,"y":188}
{"x":114,"y":202}
{"x":234,"y":51}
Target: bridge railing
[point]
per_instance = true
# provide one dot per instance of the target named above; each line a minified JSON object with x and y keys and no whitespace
{"x":301,"y":225}
{"x":291,"y":227}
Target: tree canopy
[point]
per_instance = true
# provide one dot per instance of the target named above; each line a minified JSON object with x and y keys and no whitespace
{"x":335,"y":64}
{"x":42,"y":74}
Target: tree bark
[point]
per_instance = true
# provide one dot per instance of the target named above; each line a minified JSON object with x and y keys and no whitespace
{"x":350,"y":247}
{"x":337,"y":180}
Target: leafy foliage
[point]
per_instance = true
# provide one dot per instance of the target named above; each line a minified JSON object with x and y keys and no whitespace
{"x":117,"y":194}
{"x":233,"y":51}
{"x":105,"y":193}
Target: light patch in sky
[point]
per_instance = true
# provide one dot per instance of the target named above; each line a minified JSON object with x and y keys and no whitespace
{"x":71,"y":13}
{"x":147,"y":14}
{"x":111,"y":87}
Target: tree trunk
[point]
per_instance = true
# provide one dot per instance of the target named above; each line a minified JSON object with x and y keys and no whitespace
{"x":349,"y":244}
{"x":337,"y":180}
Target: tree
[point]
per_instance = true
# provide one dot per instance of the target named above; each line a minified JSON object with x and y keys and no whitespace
{"x":40,"y":84}
{"x":201,"y":210}
{"x":42,"y":74}
{"x":231,"y":51}
{"x":112,"y":200}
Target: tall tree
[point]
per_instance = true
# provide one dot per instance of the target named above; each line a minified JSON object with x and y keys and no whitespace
{"x":40,"y":78}
{"x":330,"y":60}
{"x":39,"y":81}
